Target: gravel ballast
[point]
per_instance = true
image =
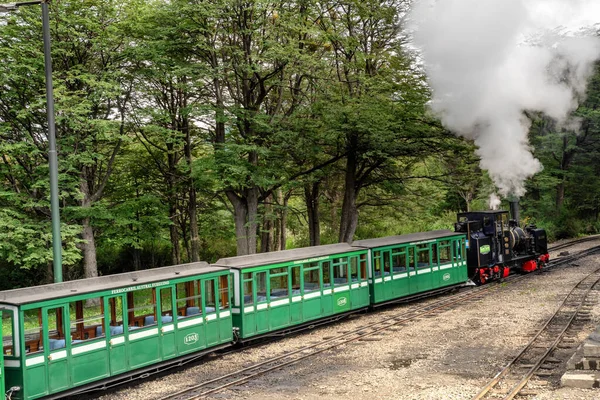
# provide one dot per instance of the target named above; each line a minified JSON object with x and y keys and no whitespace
{"x":451,"y":356}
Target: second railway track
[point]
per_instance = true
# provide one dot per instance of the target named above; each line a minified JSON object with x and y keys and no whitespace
{"x":364,"y":333}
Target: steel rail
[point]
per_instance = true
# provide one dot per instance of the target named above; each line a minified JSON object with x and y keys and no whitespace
{"x":509,"y":367}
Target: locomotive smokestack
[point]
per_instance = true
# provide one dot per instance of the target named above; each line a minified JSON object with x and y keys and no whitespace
{"x":514,"y":210}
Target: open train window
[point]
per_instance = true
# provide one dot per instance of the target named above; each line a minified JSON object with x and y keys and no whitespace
{"x":340,"y":271}
{"x":261,"y":286}
{"x":399,"y":262}
{"x":87,"y":319}
{"x":56,"y":328}
{"x":116,"y":316}
{"x":296,"y":280}
{"x":248,"y":284}
{"x":166,"y":305}
{"x":363,"y":266}
{"x":209,"y":296}
{"x":279,"y":283}
{"x":444,"y":252}
{"x":487,"y":221}
{"x":423,"y":259}
{"x":312,"y":278}
{"x":32,"y":320}
{"x":223,"y":292}
{"x":141,"y":308}
{"x":354,"y":272}
{"x":377,"y":263}
{"x":189,"y":299}
{"x":8,"y":330}
{"x":326,"y":273}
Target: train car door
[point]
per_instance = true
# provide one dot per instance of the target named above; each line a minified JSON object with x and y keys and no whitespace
{"x":296,"y":295}
{"x":261,"y":302}
{"x":387,"y":282}
{"x":57,"y":338}
{"x":117,"y":320}
{"x":210,"y":315}
{"x":167,"y":320}
{"x":311,"y":292}
{"x":327,"y":297}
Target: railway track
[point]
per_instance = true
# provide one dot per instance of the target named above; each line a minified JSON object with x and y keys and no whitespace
{"x":514,"y":377}
{"x":364,"y":333}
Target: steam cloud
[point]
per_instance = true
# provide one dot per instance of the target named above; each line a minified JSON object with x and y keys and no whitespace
{"x":488,"y":61}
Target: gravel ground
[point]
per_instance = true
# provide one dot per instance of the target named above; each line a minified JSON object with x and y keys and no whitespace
{"x":449,"y":357}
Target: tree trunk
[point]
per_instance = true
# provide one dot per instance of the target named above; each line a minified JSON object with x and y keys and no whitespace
{"x":174,"y":234}
{"x":349,"y":219}
{"x":90,"y":264}
{"x":311,"y":196}
{"x":280,"y":230}
{"x":266,"y":234}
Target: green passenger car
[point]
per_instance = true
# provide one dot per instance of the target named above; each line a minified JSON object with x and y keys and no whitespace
{"x":405,"y":265}
{"x":278,"y":290}
{"x":62,"y":338}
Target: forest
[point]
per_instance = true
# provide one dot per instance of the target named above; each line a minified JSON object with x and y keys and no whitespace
{"x":191,"y":130}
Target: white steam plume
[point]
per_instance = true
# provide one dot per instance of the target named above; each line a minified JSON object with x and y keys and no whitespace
{"x":488,"y":61}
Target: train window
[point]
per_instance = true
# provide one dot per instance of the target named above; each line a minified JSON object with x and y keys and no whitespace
{"x":398,"y":262}
{"x":340,"y":274}
{"x":116,"y":315}
{"x":141,"y":308}
{"x":377,"y":263}
{"x":296,"y":280}
{"x":411,"y":259}
{"x":87,"y":319}
{"x":231,"y":292}
{"x":326,"y":267}
{"x":209,"y":296}
{"x":311,"y":280}
{"x":189,"y":299}
{"x":261,"y":286}
{"x":279,"y":283}
{"x":7,"y":333}
{"x":387,"y":268}
{"x":56,"y":330}
{"x":423,"y":259}
{"x":248,"y":291}
{"x":32,"y":320}
{"x":434,"y":254}
{"x":487,"y":221}
{"x":166,"y":305}
{"x":354,"y":272}
{"x":445,"y":252}
{"x":363,"y":266}
{"x":223,"y":292}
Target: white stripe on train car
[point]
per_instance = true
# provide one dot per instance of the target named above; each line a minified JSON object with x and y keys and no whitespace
{"x":296,"y":299}
{"x":280,"y":302}
{"x":424,"y":271}
{"x":235,"y":310}
{"x":341,"y":289}
{"x":59,"y":355}
{"x":248,"y":309}
{"x":191,"y":322}
{"x":34,"y":361}
{"x":88,"y":347}
{"x":355,"y":285}
{"x":224,"y":314}
{"x":262,"y":306}
{"x":435,"y":268}
{"x":387,"y":278}
{"x":12,"y":363}
{"x":364,"y":284}
{"x":168,"y":328}
{"x":141,"y":335}
{"x":327,"y":291}
{"x":117,"y":340}
{"x":446,"y":266}
{"x":412,"y":273}
{"x":311,"y":295}
{"x":211,"y":317}
{"x":378,"y":280}
{"x":399,"y":276}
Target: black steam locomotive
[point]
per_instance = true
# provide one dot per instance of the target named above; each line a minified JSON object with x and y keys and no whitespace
{"x":496,"y":244}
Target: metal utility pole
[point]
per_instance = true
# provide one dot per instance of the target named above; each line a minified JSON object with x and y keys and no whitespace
{"x":54,"y":207}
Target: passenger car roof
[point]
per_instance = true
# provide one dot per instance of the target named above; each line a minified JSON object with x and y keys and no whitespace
{"x":102,"y":283}
{"x":275,"y":257}
{"x":401,"y":239}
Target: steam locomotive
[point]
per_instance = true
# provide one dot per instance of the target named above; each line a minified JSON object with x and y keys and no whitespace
{"x":496,"y":245}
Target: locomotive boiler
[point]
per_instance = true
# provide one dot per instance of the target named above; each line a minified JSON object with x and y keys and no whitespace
{"x":497,"y":244}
